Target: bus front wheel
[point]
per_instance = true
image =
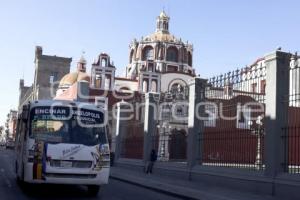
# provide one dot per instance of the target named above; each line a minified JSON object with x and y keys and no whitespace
{"x":93,"y":190}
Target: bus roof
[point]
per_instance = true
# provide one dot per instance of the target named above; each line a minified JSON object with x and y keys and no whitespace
{"x":85,"y":105}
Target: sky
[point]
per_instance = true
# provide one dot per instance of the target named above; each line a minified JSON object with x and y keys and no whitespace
{"x":226,"y":35}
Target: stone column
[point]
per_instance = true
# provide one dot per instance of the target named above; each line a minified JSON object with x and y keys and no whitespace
{"x":150,"y":83}
{"x":149,"y":123}
{"x":103,"y":77}
{"x":112,"y":80}
{"x":121,"y":113}
{"x":195,"y":125}
{"x":134,"y":53}
{"x":297,"y":85}
{"x":93,"y":77}
{"x":277,"y":90}
{"x":141,"y":81}
{"x":158,"y":84}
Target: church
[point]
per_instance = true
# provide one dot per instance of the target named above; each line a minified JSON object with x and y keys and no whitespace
{"x":159,"y":63}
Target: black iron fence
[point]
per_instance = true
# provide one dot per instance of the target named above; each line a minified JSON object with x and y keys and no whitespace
{"x":234,"y":131}
{"x":291,"y":132}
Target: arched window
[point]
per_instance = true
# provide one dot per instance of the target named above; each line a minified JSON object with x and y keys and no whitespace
{"x":145,"y":86}
{"x":172,"y":54}
{"x":190,"y":59}
{"x":148,"y":53}
{"x":107,"y":83}
{"x":103,"y":62}
{"x":98,"y":81}
{"x":165,"y":25}
{"x":153,"y":86}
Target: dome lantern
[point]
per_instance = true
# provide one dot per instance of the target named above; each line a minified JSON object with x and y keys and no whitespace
{"x":162,"y":23}
{"x":81,"y":64}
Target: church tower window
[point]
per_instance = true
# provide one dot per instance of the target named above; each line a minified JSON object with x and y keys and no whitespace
{"x":145,"y":86}
{"x":172,"y":54}
{"x":103,"y":62}
{"x":190,"y":59}
{"x":153,"y":86}
{"x":148,"y":53}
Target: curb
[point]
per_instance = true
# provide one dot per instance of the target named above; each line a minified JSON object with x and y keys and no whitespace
{"x":157,"y":189}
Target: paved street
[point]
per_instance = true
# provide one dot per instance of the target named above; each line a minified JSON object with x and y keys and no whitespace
{"x":116,"y":190}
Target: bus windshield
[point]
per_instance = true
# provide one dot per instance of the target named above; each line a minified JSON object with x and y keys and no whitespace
{"x":72,"y":130}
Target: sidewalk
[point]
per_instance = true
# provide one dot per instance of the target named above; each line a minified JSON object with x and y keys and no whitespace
{"x":181,"y":188}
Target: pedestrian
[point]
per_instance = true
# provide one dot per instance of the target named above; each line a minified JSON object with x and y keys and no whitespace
{"x":153,"y":158}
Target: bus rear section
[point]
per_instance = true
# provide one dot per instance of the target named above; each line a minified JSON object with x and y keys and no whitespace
{"x":63,"y":144}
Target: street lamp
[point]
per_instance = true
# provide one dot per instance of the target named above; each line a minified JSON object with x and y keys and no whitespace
{"x":258,"y":160}
{"x":258,"y":132}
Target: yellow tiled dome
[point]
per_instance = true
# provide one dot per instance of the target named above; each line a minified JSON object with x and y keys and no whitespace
{"x":161,"y":36}
{"x":71,"y":78}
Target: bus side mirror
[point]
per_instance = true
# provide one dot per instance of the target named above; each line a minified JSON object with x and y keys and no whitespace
{"x":24,"y":115}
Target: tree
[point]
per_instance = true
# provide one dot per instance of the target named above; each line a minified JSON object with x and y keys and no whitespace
{"x":1,"y":130}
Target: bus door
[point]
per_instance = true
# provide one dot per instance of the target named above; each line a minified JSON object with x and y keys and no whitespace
{"x":21,"y":143}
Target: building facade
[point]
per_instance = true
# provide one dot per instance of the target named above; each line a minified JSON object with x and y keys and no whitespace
{"x":48,"y":71}
{"x":11,"y":124}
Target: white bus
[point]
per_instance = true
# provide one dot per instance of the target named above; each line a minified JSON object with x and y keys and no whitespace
{"x":62,"y":142}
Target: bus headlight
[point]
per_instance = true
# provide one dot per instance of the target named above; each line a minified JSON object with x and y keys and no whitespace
{"x":106,"y":157}
{"x":104,"y":149}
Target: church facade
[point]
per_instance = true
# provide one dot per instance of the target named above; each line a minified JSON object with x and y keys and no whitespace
{"x":159,"y":63}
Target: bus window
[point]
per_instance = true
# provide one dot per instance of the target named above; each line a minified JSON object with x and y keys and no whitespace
{"x":50,"y":130}
{"x":87,"y":135}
